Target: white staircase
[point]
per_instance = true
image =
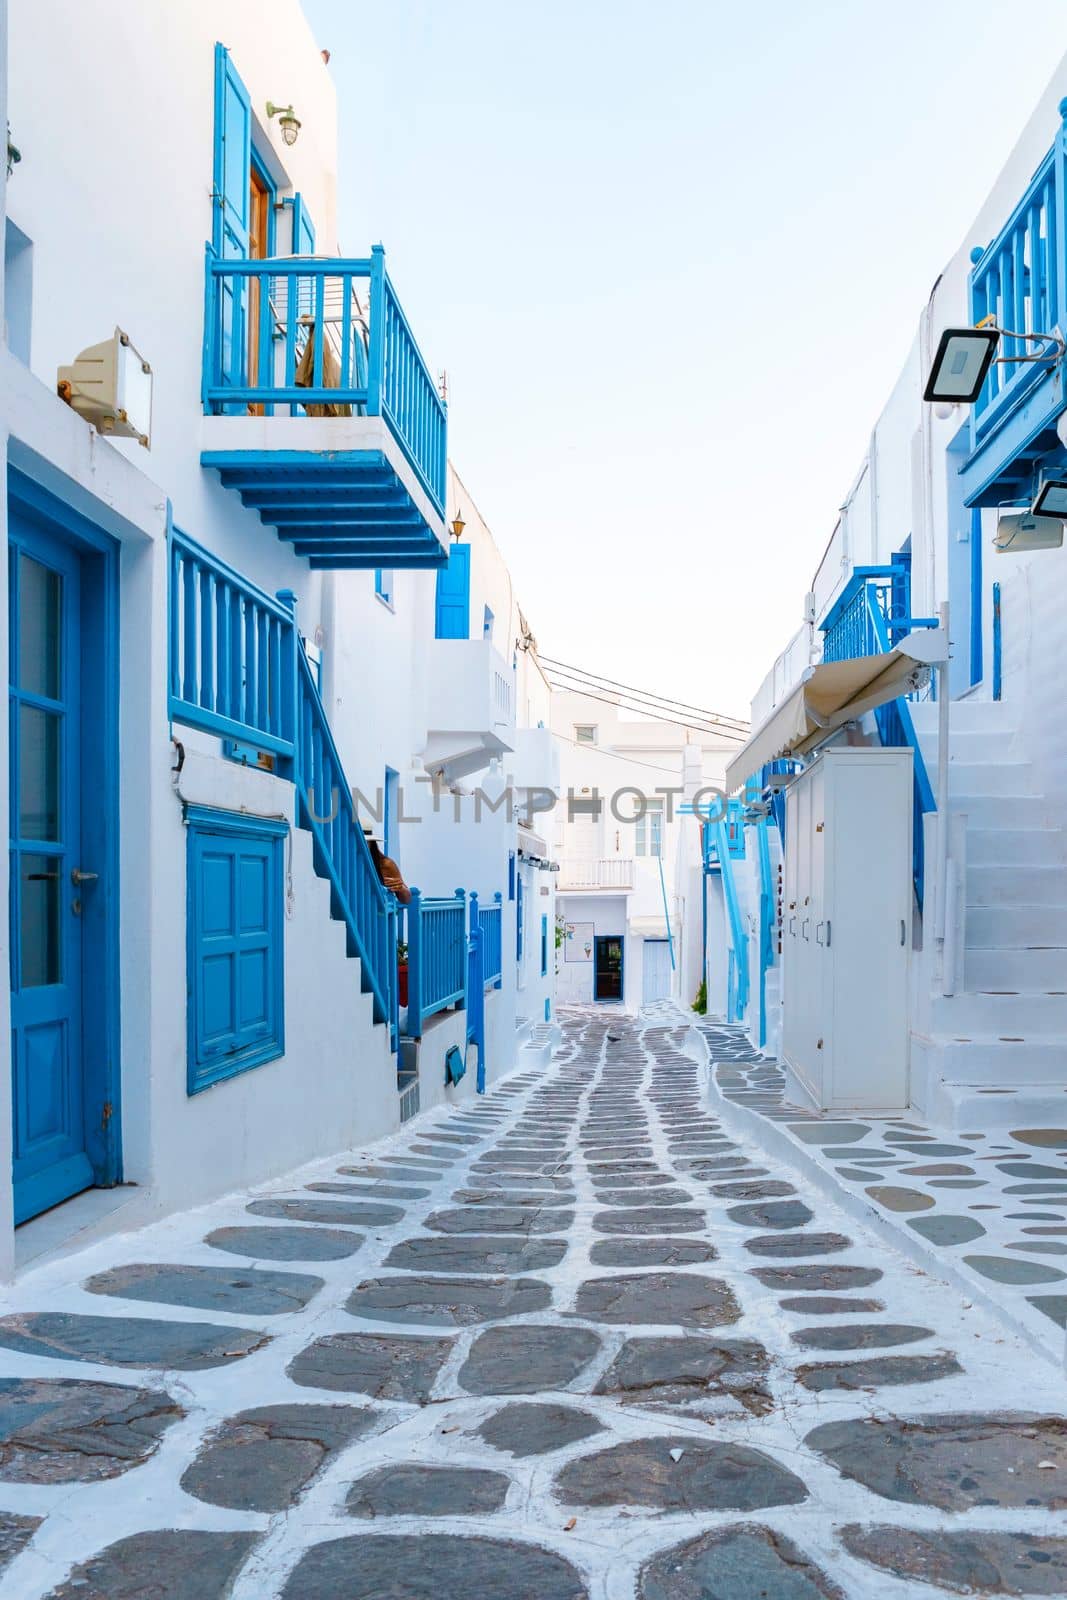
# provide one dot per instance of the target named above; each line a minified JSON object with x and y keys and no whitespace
{"x":1001,"y":1041}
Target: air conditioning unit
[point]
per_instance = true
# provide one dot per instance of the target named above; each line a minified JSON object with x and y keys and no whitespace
{"x":110,"y":385}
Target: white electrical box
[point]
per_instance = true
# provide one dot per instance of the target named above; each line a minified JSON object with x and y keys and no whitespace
{"x":846,"y":928}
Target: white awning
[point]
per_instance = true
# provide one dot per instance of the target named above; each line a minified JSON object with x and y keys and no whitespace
{"x":531,"y":843}
{"x":833,"y":693}
{"x":650,"y":927}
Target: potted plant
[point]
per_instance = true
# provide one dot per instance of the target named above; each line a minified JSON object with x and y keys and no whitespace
{"x":402,"y":971}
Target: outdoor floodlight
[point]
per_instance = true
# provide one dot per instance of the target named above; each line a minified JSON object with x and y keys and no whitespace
{"x":1051,"y":499}
{"x":961,"y":361}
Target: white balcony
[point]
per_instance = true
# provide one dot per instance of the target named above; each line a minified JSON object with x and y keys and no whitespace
{"x":584,"y":874}
{"x":470,"y":707}
{"x":533,"y":763}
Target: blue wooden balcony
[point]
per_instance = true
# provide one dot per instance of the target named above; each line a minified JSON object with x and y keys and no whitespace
{"x":1019,"y":281}
{"x":321,"y":412}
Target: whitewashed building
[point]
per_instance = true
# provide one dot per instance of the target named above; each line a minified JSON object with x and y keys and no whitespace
{"x":934,"y":898}
{"x":631,"y":885}
{"x":234,"y":600}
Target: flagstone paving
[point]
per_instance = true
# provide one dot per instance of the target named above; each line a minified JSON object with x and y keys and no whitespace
{"x":968,"y":1193}
{"x":582,"y":1344}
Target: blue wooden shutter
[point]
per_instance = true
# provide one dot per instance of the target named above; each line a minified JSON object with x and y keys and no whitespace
{"x":544,"y":946}
{"x":454,"y":594}
{"x":303,"y":228}
{"x":236,"y":970}
{"x":518,"y":919}
{"x":229,"y":231}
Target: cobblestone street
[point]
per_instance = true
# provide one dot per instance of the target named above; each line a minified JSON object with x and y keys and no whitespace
{"x":569,"y":1340}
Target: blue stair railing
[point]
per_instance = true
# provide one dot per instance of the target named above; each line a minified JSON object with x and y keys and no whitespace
{"x":490,"y":921}
{"x":341,"y":854}
{"x":437,"y":951}
{"x":231,"y":652}
{"x":475,"y":1000}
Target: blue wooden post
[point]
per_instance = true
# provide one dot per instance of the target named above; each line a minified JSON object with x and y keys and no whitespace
{"x":376,"y":353}
{"x":499,"y":955}
{"x":414,"y":1022}
{"x":997,"y":664}
{"x":290,"y":706}
{"x":392,"y":924}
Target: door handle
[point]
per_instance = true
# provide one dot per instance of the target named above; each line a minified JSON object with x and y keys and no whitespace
{"x":78,"y":876}
{"x":804,"y":930}
{"x":792,"y":925}
{"x":903,"y":935}
{"x":818,"y":937}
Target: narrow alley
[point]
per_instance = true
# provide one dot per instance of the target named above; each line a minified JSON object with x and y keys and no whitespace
{"x":571,"y":1341}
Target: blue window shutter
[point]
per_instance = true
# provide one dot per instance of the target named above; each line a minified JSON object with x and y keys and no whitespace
{"x":303,"y":228}
{"x":454,"y":594}
{"x":511,"y":874}
{"x":229,"y":227}
{"x":544,"y":946}
{"x":235,"y":953}
{"x":518,"y":919}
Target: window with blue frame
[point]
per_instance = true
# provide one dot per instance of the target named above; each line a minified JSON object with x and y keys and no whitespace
{"x":234,"y":944}
{"x":391,"y":814}
{"x":544,"y":947}
{"x":487,"y":623}
{"x":383,"y":585}
{"x":518,"y":918}
{"x":511,"y":874}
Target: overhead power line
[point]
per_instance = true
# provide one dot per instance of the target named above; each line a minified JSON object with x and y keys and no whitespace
{"x":675,"y":721}
{"x":613,"y":683}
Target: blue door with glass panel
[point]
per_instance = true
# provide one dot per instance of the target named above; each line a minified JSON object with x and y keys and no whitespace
{"x":47,"y":880}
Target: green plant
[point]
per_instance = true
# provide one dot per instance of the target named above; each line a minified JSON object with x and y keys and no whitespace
{"x":401,"y":950}
{"x":561,"y":931}
{"x":700,"y":1004}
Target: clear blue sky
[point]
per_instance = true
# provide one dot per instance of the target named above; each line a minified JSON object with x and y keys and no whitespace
{"x":672,"y":257}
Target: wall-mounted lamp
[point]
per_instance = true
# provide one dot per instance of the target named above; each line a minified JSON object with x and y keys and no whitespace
{"x":458,"y":526}
{"x":964,"y":356}
{"x":287,"y":121}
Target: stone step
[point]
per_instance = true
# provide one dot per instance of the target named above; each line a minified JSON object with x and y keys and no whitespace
{"x":1010,"y":846}
{"x":1013,"y":779}
{"x":1016,"y":885}
{"x":997,"y":718}
{"x":1016,"y":927}
{"x":1017,"y":812}
{"x":1001,"y":1016}
{"x":997,"y":967}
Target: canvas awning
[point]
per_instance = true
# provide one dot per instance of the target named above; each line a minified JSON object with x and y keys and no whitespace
{"x":833,"y":693}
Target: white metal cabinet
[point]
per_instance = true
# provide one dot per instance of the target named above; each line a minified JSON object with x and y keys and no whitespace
{"x":846,"y":916}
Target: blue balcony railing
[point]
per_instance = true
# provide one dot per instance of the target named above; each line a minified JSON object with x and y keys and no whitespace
{"x":232,"y":653}
{"x":321,"y":336}
{"x":1019,"y":282}
{"x":437,"y":956}
{"x":490,"y":920}
{"x":849,"y":628}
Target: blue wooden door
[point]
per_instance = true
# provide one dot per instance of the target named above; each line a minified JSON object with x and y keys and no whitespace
{"x":454,"y":595}
{"x":232,"y":200}
{"x":50,"y":1159}
{"x":656,"y":971}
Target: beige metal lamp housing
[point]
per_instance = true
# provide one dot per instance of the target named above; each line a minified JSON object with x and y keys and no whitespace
{"x":287,"y":121}
{"x":110,"y":385}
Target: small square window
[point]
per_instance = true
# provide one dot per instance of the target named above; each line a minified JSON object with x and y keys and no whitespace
{"x":585,"y":733}
{"x":234,"y":944}
{"x":487,"y":624}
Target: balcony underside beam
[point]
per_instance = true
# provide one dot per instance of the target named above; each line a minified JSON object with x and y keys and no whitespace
{"x":338,"y":509}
